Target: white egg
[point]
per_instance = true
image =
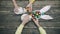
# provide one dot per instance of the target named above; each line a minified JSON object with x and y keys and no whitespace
{"x":25,"y":15}
{"x":20,"y":10}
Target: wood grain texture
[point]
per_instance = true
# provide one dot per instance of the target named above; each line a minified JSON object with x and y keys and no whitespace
{"x":10,"y":21}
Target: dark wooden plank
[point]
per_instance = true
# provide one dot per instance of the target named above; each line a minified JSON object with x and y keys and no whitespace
{"x":10,"y":21}
{"x":36,"y":4}
{"x":30,"y":31}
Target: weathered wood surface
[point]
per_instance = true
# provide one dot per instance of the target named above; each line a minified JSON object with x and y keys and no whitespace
{"x":9,"y":21}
